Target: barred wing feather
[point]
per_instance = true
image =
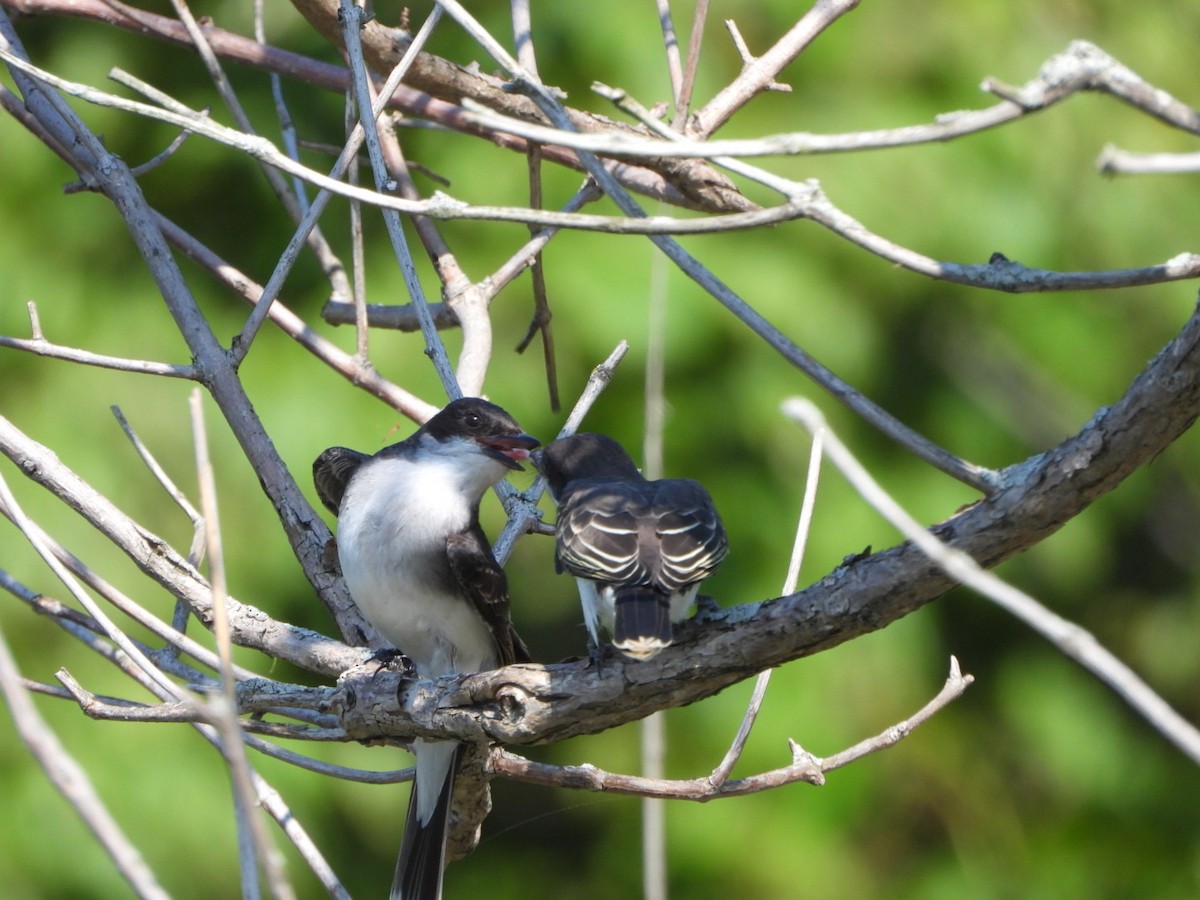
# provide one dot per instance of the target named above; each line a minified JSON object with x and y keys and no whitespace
{"x":661,"y":534}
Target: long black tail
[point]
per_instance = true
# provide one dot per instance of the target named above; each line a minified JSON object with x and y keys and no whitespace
{"x":642,"y":622}
{"x":423,"y":848}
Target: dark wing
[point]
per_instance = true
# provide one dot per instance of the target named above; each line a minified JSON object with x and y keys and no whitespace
{"x":691,"y":538}
{"x":600,"y":530}
{"x":332,"y":471}
{"x":660,"y":534}
{"x":483,"y":582}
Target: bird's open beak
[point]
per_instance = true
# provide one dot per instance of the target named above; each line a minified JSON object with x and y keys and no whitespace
{"x":510,"y":448}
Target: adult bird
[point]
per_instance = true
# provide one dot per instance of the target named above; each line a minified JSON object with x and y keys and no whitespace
{"x":419,"y":567}
{"x":638,"y":549}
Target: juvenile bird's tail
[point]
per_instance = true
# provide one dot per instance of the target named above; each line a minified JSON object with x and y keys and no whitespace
{"x":641,"y":622}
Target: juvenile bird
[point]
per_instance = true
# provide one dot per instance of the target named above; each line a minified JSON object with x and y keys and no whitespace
{"x":638,"y":549}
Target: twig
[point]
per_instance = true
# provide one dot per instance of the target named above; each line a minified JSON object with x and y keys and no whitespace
{"x":352,"y":21}
{"x":1115,"y":161}
{"x":196,"y":553}
{"x":695,"y":39}
{"x":119,"y":710}
{"x":522,"y":25}
{"x":540,"y":323}
{"x":358,"y":254}
{"x":748,"y":58}
{"x":69,"y":778}
{"x":760,"y":74}
{"x":804,"y":766}
{"x":159,"y":158}
{"x":287,"y":127}
{"x":721,"y":773}
{"x":357,"y":372}
{"x":256,"y":844}
{"x":1072,"y":640}
{"x":523,"y":514}
{"x":155,"y":557}
{"x":330,"y":264}
{"x":35,"y":323}
{"x":671,"y":45}
{"x":42,"y":347}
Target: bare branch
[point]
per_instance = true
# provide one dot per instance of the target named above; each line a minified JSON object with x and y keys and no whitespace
{"x":523,"y":514}
{"x":352,"y":22}
{"x":69,"y":778}
{"x":694,"y":185}
{"x":721,"y":773}
{"x":251,"y":627}
{"x":804,"y":766}
{"x":760,"y":74}
{"x":1069,"y":638}
{"x":257,"y":849}
{"x":695,"y":39}
{"x":748,"y":58}
{"x":41,"y":347}
{"x":355,"y":371}
{"x":1114,"y":161}
{"x":670,"y":44}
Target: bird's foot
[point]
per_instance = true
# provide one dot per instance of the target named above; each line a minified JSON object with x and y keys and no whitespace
{"x":707,"y":608}
{"x":596,"y":655}
{"x":393,"y":660}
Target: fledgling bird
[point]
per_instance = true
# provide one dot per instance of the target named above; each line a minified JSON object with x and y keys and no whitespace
{"x":638,"y":549}
{"x":419,"y":567}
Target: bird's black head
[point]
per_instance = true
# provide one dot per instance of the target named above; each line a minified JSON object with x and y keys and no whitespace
{"x":487,"y":424}
{"x":583,"y":456}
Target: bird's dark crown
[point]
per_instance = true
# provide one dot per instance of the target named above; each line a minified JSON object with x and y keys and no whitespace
{"x":584,"y":456}
{"x":470,"y":416}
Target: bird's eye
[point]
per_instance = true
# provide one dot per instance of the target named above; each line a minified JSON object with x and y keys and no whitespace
{"x":474,"y":420}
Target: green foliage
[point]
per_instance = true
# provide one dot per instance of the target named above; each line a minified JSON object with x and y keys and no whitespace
{"x":1038,"y":783}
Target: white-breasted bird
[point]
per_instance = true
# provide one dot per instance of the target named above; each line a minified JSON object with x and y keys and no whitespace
{"x":419,"y":567}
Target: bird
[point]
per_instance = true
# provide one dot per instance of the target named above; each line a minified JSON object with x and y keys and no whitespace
{"x":638,"y":548}
{"x":420,"y":568}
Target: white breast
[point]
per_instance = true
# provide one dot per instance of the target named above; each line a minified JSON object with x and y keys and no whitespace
{"x":395,"y":518}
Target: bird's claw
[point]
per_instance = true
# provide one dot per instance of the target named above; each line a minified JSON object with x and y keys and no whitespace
{"x":393,"y":660}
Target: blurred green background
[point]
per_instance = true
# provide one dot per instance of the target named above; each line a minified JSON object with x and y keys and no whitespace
{"x":1038,"y":783}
